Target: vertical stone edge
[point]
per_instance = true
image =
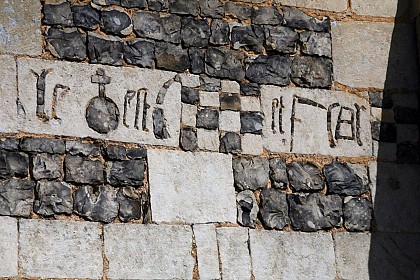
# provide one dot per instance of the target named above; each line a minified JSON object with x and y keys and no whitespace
{"x":8,"y":247}
{"x":207,"y":251}
{"x":8,"y":94}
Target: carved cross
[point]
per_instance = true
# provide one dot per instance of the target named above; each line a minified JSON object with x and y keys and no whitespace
{"x":101,"y":79}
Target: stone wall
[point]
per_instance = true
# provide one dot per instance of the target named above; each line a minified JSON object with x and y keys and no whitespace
{"x":209,"y":139}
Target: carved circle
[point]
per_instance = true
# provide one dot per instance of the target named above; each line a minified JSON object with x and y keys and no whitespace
{"x":102,"y":115}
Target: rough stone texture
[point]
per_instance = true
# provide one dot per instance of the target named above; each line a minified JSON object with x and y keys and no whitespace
{"x":53,"y":198}
{"x":342,"y":180}
{"x":211,"y":8}
{"x":115,"y":152}
{"x":195,"y":33}
{"x":102,"y":115}
{"x":230,"y":142}
{"x":250,"y":173}
{"x":58,"y":14}
{"x":79,"y":244}
{"x":128,"y":172}
{"x":304,"y":176}
{"x":98,"y":204}
{"x":84,"y":16}
{"x":266,"y":15}
{"x":270,"y":70}
{"x":209,"y":99}
{"x":197,"y":60}
{"x":84,"y":171}
{"x":281,"y":39}
{"x":68,"y":43}
{"x":357,"y":214}
{"x":250,"y":37}
{"x":158,"y":5}
{"x":311,"y":72}
{"x":230,"y":121}
{"x":116,"y":22}
{"x":134,"y":3}
{"x":380,"y":9}
{"x":252,"y":144}
{"x":328,"y":5}
{"x":140,"y":52}
{"x":204,"y":177}
{"x":274,"y":209}
{"x":311,"y":212}
{"x":9,"y":144}
{"x":189,"y":115}
{"x":47,"y":166}
{"x":208,"y":139}
{"x":184,"y":7}
{"x":290,"y":255}
{"x":250,"y":89}
{"x":208,"y":118}
{"x":314,"y":43}
{"x":207,"y":253}
{"x":252,"y":122}
{"x":13,"y":164}
{"x":230,"y":101}
{"x":154,"y":26}
{"x":220,"y":32}
{"x":190,"y":95}
{"x":188,"y":139}
{"x":209,"y":83}
{"x":8,"y":247}
{"x":16,"y":197}
{"x":8,"y":86}
{"x":239,"y":11}
{"x":152,"y":246}
{"x":247,"y":208}
{"x":225,"y":63}
{"x":297,"y":19}
{"x":171,"y":57}
{"x":130,"y":204}
{"x":38,"y":145}
{"x":105,"y":49}
{"x":278,"y":173}
{"x":77,"y":148}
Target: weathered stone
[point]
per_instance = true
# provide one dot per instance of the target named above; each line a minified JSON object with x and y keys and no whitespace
{"x":84,"y":171}
{"x":220,"y":32}
{"x":98,"y":204}
{"x":8,"y":247}
{"x":171,"y":57}
{"x":158,"y":5}
{"x":251,"y":37}
{"x":115,"y":152}
{"x":59,"y":14}
{"x":209,"y":99}
{"x":207,"y":253}
{"x":159,"y":124}
{"x":188,"y":139}
{"x":80,"y":249}
{"x":278,"y":173}
{"x":312,"y":71}
{"x":13,"y":164}
{"x":208,"y":118}
{"x":105,"y":50}
{"x":116,"y":22}
{"x":361,"y":173}
{"x":305,"y":176}
{"x":239,"y":11}
{"x":225,"y":63}
{"x":154,"y":26}
{"x":342,"y":180}
{"x":189,"y":115}
{"x":314,"y":43}
{"x":281,"y":39}
{"x":270,"y":70}
{"x":391,"y":8}
{"x":211,"y":8}
{"x":328,"y":5}
{"x":380,"y":100}
{"x":274,"y":209}
{"x":252,"y":122}
{"x":136,"y":153}
{"x":9,"y":144}
{"x":252,"y":144}
{"x":190,"y":95}
{"x":11,"y":109}
{"x":77,"y":148}
{"x":230,"y":142}
{"x":197,"y":60}
{"x":140,"y":52}
{"x":42,"y":145}
{"x":184,"y":7}
{"x":230,"y":101}
{"x":311,"y":212}
{"x":106,"y":2}
{"x":102,"y":115}
{"x":130,"y":204}
{"x":250,"y":173}
{"x":68,"y":43}
{"x":250,"y":89}
{"x":266,"y":15}
{"x":206,"y":178}
{"x":134,"y":4}
{"x":250,"y":104}
{"x":16,"y":197}
{"x":195,"y":32}
{"x":209,"y":83}
{"x":208,"y":139}
{"x":46,"y":166}
{"x":128,"y":172}
{"x":53,"y":198}
{"x":230,"y":86}
{"x":247,"y":208}
{"x":357,"y":213}
{"x":297,"y":19}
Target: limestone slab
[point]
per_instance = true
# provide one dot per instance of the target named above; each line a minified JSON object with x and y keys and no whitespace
{"x":20,"y":27}
{"x":314,"y":121}
{"x":380,"y":8}
{"x":206,"y":179}
{"x":137,"y":101}
{"x":60,"y":249}
{"x":252,"y":144}
{"x":8,"y":247}
{"x":291,"y":255}
{"x":8,"y":94}
{"x":208,"y":139}
{"x":207,"y":253}
{"x":149,"y":251}
{"x":328,"y":5}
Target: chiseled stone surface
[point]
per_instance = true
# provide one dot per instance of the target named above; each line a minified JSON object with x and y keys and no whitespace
{"x":328,"y":5}
{"x":380,"y":8}
{"x":290,"y":255}
{"x":207,"y":253}
{"x":206,"y":178}
{"x":8,"y":92}
{"x":8,"y":247}
{"x":60,"y":249}
{"x":149,"y":251}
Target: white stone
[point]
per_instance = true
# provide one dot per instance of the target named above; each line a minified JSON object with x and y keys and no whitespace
{"x":189,"y":114}
{"x":230,"y":86}
{"x":407,"y":133}
{"x":328,"y":5}
{"x":8,"y":247}
{"x":70,"y":106}
{"x":191,"y":187}
{"x":149,"y":251}
{"x":373,"y":172}
{"x":380,"y":8}
{"x":207,"y":253}
{"x":230,"y":121}
{"x":209,"y":99}
{"x":250,"y":103}
{"x":252,"y":144}
{"x":208,"y":139}
{"x":60,"y":249}
{"x":292,"y":255}
{"x":234,"y":254}
{"x":308,"y":131}
{"x":8,"y":93}
{"x":189,"y":80}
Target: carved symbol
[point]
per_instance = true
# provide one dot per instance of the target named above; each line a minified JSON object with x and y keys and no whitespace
{"x":277,"y":115}
{"x":354,"y":123}
{"x":127,"y":103}
{"x":160,"y":129}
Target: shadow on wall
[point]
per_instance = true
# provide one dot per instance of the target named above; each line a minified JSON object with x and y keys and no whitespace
{"x":395,"y":240}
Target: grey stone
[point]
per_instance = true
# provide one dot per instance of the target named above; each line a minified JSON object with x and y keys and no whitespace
{"x":134,"y":4}
{"x":68,"y":43}
{"x":47,"y":166}
{"x":98,"y":204}
{"x":220,"y":32}
{"x":207,"y":252}
{"x":136,"y":153}
{"x":158,"y":5}
{"x":160,"y":129}
{"x":297,"y":19}
{"x":266,"y":15}
{"x":342,"y":180}
{"x":357,"y":213}
{"x":102,"y":115}
{"x":380,"y":100}
{"x":278,"y":173}
{"x":312,"y":71}
{"x":207,"y":118}
{"x":128,"y":172}
{"x":116,"y":22}
{"x":209,"y":83}
{"x":77,"y":148}
{"x":239,"y":11}
{"x":311,"y":212}
{"x":197,"y":60}
{"x":85,"y":16}
{"x":273,"y":69}
{"x":105,"y":50}
{"x":16,"y":197}
{"x":230,"y":142}
{"x":230,"y":101}
{"x":8,"y":247}
{"x":171,"y":57}
{"x":43,"y":145}
{"x":13,"y":164}
{"x":58,"y":14}
{"x":106,"y":2}
{"x":195,"y":32}
{"x":247,"y":208}
{"x":250,"y":173}
{"x":250,"y":37}
{"x":274,"y":209}
{"x":252,"y":122}
{"x":304,"y":176}
{"x":154,"y":26}
{"x":314,"y":43}
{"x":211,"y":8}
{"x":140,"y":52}
{"x":281,"y":39}
{"x":225,"y":63}
{"x":188,"y":139}
{"x":9,"y":144}
{"x":53,"y":198}
{"x":115,"y":152}
{"x":190,"y":95}
{"x":184,"y":7}
{"x":250,"y":89}
{"x":130,"y":204}
{"x":84,"y":171}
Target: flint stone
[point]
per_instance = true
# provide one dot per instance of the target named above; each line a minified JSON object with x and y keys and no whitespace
{"x":158,"y":5}
{"x":102,"y":115}
{"x":37,"y":145}
{"x":274,"y":209}
{"x":270,"y":70}
{"x":128,"y":172}
{"x":195,"y":32}
{"x":247,"y":208}
{"x":86,"y":17}
{"x":171,"y":57}
{"x":9,"y":144}
{"x":58,"y":14}
{"x":251,"y":37}
{"x":184,"y":7}
{"x":13,"y":164}
{"x":230,"y":142}
{"x":312,"y":71}
{"x":16,"y":197}
{"x":188,"y":139}
{"x":225,"y":63}
{"x":211,"y":8}
{"x":159,"y":124}
{"x":380,"y":100}
{"x":47,"y":166}
{"x":77,"y":148}
{"x":116,"y":23}
{"x":250,"y":173}
{"x":278,"y":173}
{"x":266,"y":15}
{"x":105,"y":50}
{"x":357,"y":213}
{"x":230,"y":101}
{"x":220,"y":32}
{"x":305,"y":176}
{"x":297,"y":19}
{"x":134,"y":4}
{"x":68,"y":43}
{"x":252,"y":122}
{"x":130,"y":204}
{"x":342,"y":180}
{"x":250,"y":89}
{"x":97,"y":204}
{"x":154,"y":26}
{"x":115,"y":152}
{"x":106,"y":2}
{"x":207,"y":118}
{"x":140,"y":52}
{"x":314,"y":43}
{"x":53,"y":198}
{"x":136,"y":153}
{"x":197,"y":60}
{"x":209,"y":84}
{"x":239,"y":11}
{"x":311,"y":212}
{"x":84,"y":171}
{"x":190,"y":95}
{"x":281,"y":39}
